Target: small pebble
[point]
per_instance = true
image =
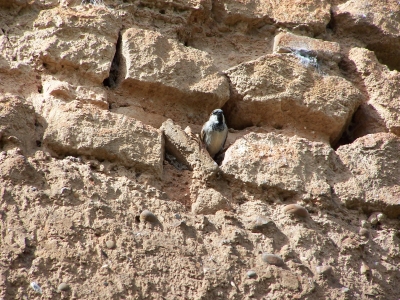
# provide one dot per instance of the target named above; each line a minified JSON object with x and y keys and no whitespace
{"x":251,"y":274}
{"x":36,"y":287}
{"x":110,"y":244}
{"x":324,"y":270}
{"x":364,"y":232}
{"x":376,"y":217}
{"x":296,"y":210}
{"x":381,"y":217}
{"x":272,"y":259}
{"x":148,"y":216}
{"x":373,"y":220}
{"x":63,"y":287}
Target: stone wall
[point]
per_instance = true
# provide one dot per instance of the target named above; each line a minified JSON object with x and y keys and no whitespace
{"x":107,"y":193}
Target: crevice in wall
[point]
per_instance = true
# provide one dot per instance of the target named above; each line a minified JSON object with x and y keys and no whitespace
{"x":229,"y":106}
{"x":365,"y":120}
{"x":348,"y":134}
{"x":331,"y":24}
{"x":112,"y":80}
{"x":387,"y":54}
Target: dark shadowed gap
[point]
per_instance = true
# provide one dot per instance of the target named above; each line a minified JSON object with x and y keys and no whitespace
{"x":387,"y":54}
{"x":348,"y":135}
{"x":112,"y":79}
{"x":331,"y":25}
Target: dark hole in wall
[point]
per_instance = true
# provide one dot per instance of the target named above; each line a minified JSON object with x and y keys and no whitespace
{"x":331,"y":25}
{"x":348,"y":134}
{"x":387,"y":54}
{"x":112,"y":79}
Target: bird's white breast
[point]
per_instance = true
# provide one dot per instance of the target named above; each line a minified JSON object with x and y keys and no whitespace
{"x":214,"y":140}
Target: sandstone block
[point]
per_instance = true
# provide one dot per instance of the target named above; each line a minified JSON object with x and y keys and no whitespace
{"x":286,"y":42}
{"x":187,"y":149}
{"x":382,"y":86}
{"x":373,"y":22}
{"x":181,"y":81}
{"x":373,"y":161}
{"x":278,"y":90}
{"x":66,"y":41}
{"x":65,"y":91}
{"x":312,"y":14}
{"x":57,"y":88}
{"x":138,"y":113}
{"x":76,"y":129}
{"x":290,"y":165}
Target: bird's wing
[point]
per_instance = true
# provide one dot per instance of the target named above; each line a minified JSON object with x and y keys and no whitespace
{"x":202,"y":133}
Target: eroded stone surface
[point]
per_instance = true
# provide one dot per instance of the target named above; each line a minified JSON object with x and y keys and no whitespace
{"x":373,"y":161}
{"x":382,"y":86}
{"x":76,"y":129}
{"x":275,"y":161}
{"x":278,"y":90}
{"x":59,"y":212}
{"x":374,"y":22}
{"x":209,"y":201}
{"x":286,"y":42}
{"x":66,"y":91}
{"x":68,"y":40}
{"x":187,"y":149}
{"x":311,"y":14}
{"x":17,"y":123}
{"x":180,"y":80}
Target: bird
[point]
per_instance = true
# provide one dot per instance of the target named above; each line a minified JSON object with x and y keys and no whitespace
{"x":214,"y":132}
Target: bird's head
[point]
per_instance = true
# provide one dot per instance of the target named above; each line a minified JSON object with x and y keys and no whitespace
{"x":217,"y":115}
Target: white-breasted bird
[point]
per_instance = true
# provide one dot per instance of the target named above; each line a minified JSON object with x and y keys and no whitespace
{"x":214,"y":132}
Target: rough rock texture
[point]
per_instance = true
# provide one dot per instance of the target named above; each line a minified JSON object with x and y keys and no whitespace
{"x":311,"y":14}
{"x":17,"y":123}
{"x":375,"y":23}
{"x":374,"y":162}
{"x":287,"y":42}
{"x":101,"y":104}
{"x":76,"y":129}
{"x":182,"y":81}
{"x":287,"y":166}
{"x":384,"y":102}
{"x":283,"y":90}
{"x":185,"y":148}
{"x":67,"y":40}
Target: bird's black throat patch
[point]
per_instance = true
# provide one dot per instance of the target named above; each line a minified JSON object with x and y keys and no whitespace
{"x":220,"y":119}
{"x":218,"y":126}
